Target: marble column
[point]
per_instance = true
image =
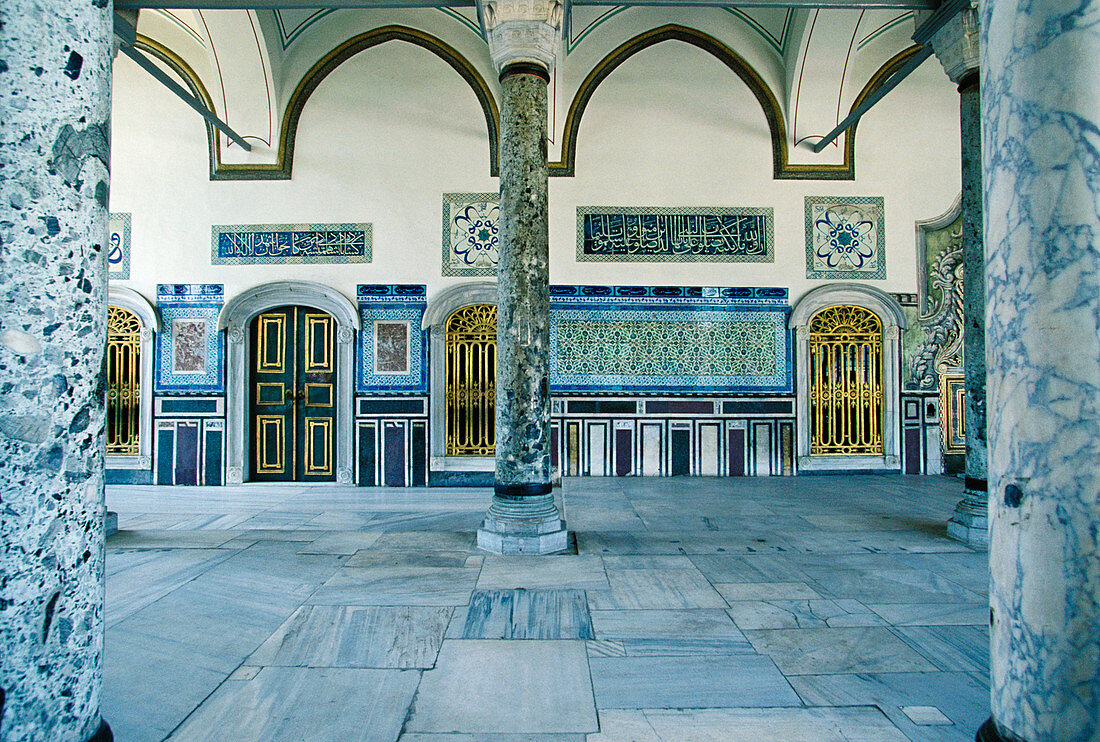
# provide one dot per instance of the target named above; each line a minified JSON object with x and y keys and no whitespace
{"x":957,"y":46}
{"x":55,"y":71}
{"x":523,"y":518}
{"x":1041,"y":118}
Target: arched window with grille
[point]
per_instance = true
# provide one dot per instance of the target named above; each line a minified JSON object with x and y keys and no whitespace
{"x":123,"y":382}
{"x":847,"y":382}
{"x":846,"y":390}
{"x":471,"y":381}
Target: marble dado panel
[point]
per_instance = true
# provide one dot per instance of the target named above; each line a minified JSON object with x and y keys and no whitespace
{"x":655,"y":234}
{"x":669,"y":339}
{"x":845,"y":237}
{"x":393,"y":349}
{"x":118,"y":241}
{"x":471,"y":233}
{"x":252,"y":244}
{"x":189,"y":353}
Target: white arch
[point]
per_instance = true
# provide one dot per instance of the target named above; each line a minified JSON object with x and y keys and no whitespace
{"x":235,"y":318}
{"x":132,"y":301}
{"x":435,"y":318}
{"x":893,"y":319}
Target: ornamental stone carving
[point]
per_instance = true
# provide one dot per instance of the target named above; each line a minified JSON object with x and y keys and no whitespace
{"x":345,"y":335}
{"x":236,"y":335}
{"x":343,"y":476}
{"x":523,"y":31}
{"x":956,"y":43}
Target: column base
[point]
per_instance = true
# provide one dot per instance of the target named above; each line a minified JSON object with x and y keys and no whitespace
{"x":103,"y":734}
{"x":967,"y":526}
{"x":989,"y":732}
{"x":523,"y":525}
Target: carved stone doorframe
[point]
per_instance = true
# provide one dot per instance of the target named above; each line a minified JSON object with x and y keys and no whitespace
{"x":235,"y":318}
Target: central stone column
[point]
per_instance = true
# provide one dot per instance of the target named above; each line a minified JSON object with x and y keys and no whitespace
{"x":55,"y":73}
{"x":1041,"y":115}
{"x":958,"y":48}
{"x":523,"y":38}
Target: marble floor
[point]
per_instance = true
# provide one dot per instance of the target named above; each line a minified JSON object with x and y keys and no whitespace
{"x":792,"y":609}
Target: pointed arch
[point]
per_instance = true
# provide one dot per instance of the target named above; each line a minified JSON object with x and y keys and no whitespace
{"x":362,"y":42}
{"x":782,"y":169}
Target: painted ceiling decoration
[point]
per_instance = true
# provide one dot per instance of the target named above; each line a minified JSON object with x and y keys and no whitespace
{"x":771,"y":24}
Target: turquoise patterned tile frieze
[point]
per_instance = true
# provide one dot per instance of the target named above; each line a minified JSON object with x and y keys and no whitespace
{"x":251,"y":244}
{"x":845,"y":237}
{"x":471,"y":234}
{"x":744,"y":234}
{"x":672,"y":338}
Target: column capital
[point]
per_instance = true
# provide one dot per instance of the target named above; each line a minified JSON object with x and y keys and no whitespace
{"x":522,"y":31}
{"x":956,"y":43}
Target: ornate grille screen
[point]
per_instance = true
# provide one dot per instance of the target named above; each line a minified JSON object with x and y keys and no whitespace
{"x":123,"y":392}
{"x":846,"y":400}
{"x":471,"y":381}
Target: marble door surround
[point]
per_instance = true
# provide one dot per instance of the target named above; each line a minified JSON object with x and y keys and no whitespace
{"x":235,"y":318}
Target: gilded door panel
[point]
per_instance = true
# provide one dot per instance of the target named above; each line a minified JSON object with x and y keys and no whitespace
{"x":316,"y":395}
{"x":292,"y":396}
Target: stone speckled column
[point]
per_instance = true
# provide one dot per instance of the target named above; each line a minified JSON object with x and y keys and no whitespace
{"x":523,"y":517}
{"x":970,"y":521}
{"x":1041,"y":117}
{"x":523,"y":36}
{"x":55,"y":73}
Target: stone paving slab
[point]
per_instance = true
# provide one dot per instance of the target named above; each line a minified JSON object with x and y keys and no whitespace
{"x":818,"y":651}
{"x":699,"y":681}
{"x":506,"y":687}
{"x":523,"y":614}
{"x":865,"y":724}
{"x":393,"y":637}
{"x":290,"y":704}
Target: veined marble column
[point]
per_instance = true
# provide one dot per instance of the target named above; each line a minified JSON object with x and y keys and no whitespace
{"x":958,"y":49}
{"x":55,"y":71}
{"x":1041,"y":113}
{"x":523,"y":519}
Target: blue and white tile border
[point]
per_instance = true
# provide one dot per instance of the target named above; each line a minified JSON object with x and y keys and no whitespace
{"x":672,"y":238}
{"x":391,"y":303}
{"x":261,"y":244}
{"x":197,"y":302}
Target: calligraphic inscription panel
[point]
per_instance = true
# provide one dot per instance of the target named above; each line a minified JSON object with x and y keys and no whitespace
{"x":708,"y":235}
{"x":118,"y":246}
{"x":845,"y":237}
{"x":471,"y":234}
{"x":251,"y":244}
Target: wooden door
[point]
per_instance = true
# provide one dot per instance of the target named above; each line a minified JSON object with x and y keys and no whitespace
{"x":292,"y":396}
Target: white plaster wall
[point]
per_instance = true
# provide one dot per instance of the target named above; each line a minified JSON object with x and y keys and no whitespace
{"x":394,"y":128}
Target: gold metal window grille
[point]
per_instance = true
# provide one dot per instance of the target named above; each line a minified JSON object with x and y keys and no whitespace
{"x":123,"y":382}
{"x":846,"y":396}
{"x":471,"y":381}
